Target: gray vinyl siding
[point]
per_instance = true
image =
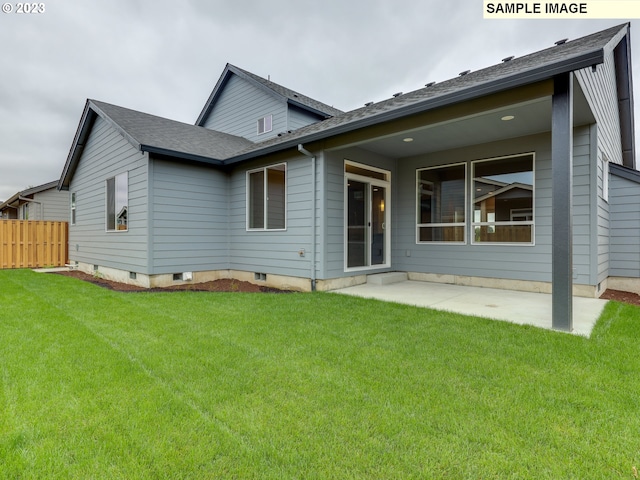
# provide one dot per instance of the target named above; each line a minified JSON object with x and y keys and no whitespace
{"x":55,"y":205}
{"x":526,"y":262}
{"x":600,"y":90}
{"x":624,"y":202}
{"x":105,"y":155}
{"x":603,"y":222}
{"x":189,"y":212}
{"x":584,"y":211}
{"x":298,"y":118}
{"x":273,"y":252}
{"x":239,"y":107}
{"x":333,"y":261}
{"x":531,"y":262}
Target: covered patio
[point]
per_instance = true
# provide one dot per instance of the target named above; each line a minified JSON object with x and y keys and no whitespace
{"x":524,"y":308}
{"x":539,"y":119}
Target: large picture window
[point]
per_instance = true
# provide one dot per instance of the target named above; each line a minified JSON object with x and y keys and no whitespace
{"x":266,"y":198}
{"x":441,"y":204}
{"x":118,"y":203}
{"x":503,"y":200}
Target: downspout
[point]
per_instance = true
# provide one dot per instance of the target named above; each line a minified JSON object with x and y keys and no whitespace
{"x":306,"y":152}
{"x":30,"y":200}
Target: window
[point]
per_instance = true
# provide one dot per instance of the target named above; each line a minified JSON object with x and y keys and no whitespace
{"x":503,"y":194}
{"x":605,"y":178}
{"x":266,"y":198}
{"x":441,"y":204}
{"x":265,"y":124}
{"x":25,"y":211}
{"x":73,"y":208}
{"x":118,"y":203}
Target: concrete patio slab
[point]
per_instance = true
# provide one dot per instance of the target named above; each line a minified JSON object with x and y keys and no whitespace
{"x":524,"y":308}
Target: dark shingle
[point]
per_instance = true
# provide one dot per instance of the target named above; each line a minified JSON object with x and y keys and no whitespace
{"x":152,"y":133}
{"x":171,"y":136}
{"x":293,"y":96}
{"x":517,"y":72}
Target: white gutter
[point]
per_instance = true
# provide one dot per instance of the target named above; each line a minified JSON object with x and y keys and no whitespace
{"x":306,"y":152}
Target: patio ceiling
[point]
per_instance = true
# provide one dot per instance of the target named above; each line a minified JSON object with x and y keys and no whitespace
{"x":529,"y":117}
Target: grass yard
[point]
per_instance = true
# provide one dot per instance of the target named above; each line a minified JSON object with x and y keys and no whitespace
{"x":99,"y":384}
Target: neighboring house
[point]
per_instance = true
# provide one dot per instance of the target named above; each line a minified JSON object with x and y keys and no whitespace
{"x":44,"y":202}
{"x":496,"y":177}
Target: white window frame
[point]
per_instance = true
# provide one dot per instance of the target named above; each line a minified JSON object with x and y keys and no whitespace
{"x":73,"y":209}
{"x":266,"y":123}
{"x":605,"y":178}
{"x":266,"y":198}
{"x":456,"y":224}
{"x":115,"y":178}
{"x":494,"y":224}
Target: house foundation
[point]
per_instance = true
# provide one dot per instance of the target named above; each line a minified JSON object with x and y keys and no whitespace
{"x":281,"y":282}
{"x":299,"y":284}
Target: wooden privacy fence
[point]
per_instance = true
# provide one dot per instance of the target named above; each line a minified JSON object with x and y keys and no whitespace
{"x":33,"y":244}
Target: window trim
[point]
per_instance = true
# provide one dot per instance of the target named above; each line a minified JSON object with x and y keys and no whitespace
{"x":106,"y":198}
{"x":372,"y":181}
{"x":455,"y":224}
{"x":264,"y":124}
{"x":474,"y":224}
{"x":72,"y":215}
{"x":265,"y":198}
{"x":605,"y":178}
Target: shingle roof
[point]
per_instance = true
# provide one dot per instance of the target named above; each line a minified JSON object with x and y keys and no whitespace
{"x":624,"y":172}
{"x":545,"y":64}
{"x":272,"y":88}
{"x":293,"y":96}
{"x":29,"y":191}
{"x":161,"y":135}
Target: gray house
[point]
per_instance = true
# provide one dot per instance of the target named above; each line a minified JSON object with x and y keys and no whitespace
{"x":44,"y":202}
{"x":499,"y":177}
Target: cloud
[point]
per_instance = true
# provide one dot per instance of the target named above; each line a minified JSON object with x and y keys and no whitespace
{"x":165,"y":57}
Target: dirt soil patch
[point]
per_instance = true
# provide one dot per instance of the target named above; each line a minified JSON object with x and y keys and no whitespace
{"x":619,"y":296}
{"x":225,"y":285}
{"x":228,"y":285}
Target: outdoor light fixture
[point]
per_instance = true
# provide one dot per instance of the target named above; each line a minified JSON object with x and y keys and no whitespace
{"x":506,"y":118}
{"x":407,"y":139}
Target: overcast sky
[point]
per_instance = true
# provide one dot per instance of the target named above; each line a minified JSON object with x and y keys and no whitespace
{"x":164,"y":57}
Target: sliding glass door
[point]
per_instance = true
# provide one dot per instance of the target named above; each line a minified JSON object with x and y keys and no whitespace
{"x":367,"y":235}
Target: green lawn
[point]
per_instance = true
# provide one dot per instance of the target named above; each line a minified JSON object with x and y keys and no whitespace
{"x":99,"y":384}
